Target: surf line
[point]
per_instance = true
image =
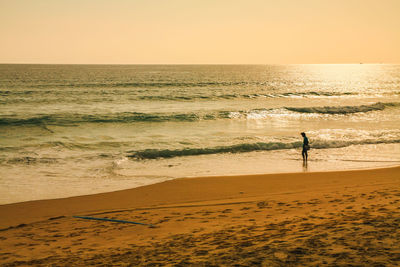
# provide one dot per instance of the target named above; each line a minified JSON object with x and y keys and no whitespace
{"x":112,"y":220}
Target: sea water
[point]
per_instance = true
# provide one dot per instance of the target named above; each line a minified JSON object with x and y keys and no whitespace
{"x":69,"y":130}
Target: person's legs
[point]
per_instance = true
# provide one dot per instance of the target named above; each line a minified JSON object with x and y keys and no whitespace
{"x":304,"y":154}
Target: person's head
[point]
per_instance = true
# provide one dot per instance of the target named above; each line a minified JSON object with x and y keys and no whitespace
{"x":303,"y":134}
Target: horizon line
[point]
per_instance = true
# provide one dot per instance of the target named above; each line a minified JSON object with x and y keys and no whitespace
{"x":358,"y":63}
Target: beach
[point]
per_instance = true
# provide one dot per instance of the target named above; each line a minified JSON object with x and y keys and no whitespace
{"x":336,"y":218}
{"x":200,"y":133}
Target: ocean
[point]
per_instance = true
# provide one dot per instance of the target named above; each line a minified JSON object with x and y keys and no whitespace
{"x":68,"y":130}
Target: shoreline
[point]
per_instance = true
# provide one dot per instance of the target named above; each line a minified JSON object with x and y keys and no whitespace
{"x":37,"y":210}
{"x":73,"y":188}
{"x":120,"y":174}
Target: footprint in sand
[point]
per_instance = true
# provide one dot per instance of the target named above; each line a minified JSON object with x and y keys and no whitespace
{"x":227,"y":211}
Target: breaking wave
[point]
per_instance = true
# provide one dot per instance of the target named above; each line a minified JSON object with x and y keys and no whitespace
{"x":242,"y":148}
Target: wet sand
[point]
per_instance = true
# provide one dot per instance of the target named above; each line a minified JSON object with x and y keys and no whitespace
{"x":302,"y":219}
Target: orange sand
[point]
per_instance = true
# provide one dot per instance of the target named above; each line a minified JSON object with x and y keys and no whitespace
{"x":325,"y":218}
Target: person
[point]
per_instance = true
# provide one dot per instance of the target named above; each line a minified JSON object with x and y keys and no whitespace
{"x":306,"y":147}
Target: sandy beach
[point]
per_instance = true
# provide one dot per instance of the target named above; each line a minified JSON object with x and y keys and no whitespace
{"x":301,"y":219}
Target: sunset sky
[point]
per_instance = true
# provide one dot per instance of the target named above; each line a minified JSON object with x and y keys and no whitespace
{"x":199,"y":31}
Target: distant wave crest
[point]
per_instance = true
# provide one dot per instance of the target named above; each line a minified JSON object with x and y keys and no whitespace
{"x":66,"y":96}
{"x":343,"y":109}
{"x":131,"y":117}
{"x":126,"y":117}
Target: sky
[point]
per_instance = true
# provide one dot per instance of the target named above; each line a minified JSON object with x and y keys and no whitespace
{"x":199,"y":31}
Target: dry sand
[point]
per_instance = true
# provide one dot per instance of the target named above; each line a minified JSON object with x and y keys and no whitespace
{"x":349,"y":218}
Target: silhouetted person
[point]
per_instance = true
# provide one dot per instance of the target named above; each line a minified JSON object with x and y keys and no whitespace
{"x":306,"y":147}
